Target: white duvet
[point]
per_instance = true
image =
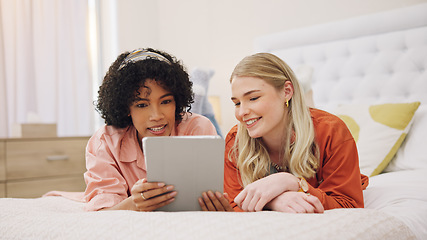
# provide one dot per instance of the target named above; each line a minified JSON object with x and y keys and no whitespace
{"x":402,"y":194}
{"x":61,"y":218}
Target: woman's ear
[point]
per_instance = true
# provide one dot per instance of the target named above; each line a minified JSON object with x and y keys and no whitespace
{"x":288,"y":90}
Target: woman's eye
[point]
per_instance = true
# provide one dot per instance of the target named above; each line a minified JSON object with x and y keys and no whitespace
{"x":166,"y":101}
{"x":254,"y":98}
{"x":237,"y":104}
{"x":142,"y":105}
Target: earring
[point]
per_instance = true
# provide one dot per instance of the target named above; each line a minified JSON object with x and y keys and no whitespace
{"x":287,"y":103}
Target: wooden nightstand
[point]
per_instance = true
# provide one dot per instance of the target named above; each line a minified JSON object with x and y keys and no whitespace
{"x":30,"y":167}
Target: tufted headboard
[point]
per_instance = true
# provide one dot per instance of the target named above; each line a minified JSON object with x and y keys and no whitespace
{"x":370,"y":59}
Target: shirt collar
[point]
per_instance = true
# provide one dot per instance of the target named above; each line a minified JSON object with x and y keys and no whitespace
{"x":130,"y":150}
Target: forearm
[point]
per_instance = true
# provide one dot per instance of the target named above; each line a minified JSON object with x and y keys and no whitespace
{"x":126,"y":204}
{"x":334,"y":200}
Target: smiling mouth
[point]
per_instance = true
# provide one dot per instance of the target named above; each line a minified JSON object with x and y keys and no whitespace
{"x":157,"y":129}
{"x":252,"y":121}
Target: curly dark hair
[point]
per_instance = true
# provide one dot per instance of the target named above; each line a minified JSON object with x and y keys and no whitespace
{"x":121,"y":84}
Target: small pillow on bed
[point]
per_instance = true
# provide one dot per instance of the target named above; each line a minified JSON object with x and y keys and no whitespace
{"x":378,"y":130}
{"x":412,"y":154}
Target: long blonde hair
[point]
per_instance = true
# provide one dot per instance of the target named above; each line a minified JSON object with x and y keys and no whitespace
{"x":300,"y":150}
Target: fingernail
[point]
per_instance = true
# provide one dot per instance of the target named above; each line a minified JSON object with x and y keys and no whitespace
{"x":169,"y":187}
{"x":218,"y":195}
{"x":210,"y":194}
{"x":161,"y":184}
{"x":172,"y":194}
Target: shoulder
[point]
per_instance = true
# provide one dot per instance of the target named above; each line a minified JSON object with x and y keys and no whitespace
{"x":230,"y":139}
{"x":195,"y":124}
{"x":322,"y":117}
{"x":330,"y":131}
{"x":231,"y":136}
{"x":327,"y":123}
{"x":108,"y":135}
{"x":110,"y":132}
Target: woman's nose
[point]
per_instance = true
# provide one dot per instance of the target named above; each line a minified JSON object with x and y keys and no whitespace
{"x":243,"y":110}
{"x":156,"y":114}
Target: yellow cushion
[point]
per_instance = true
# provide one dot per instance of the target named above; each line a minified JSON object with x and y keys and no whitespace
{"x":378,"y":130}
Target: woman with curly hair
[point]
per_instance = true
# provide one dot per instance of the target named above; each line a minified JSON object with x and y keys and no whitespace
{"x":145,"y":93}
{"x":284,"y":156}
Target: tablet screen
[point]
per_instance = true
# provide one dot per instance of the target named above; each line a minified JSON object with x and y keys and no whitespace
{"x":193,"y":164}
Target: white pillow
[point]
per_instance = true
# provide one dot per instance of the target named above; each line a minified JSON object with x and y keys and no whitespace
{"x":378,"y":130}
{"x":412,"y":153}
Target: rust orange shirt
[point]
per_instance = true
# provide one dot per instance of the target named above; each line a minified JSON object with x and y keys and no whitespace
{"x":338,"y":182}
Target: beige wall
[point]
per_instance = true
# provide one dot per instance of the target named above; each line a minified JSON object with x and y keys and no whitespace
{"x":217,"y":34}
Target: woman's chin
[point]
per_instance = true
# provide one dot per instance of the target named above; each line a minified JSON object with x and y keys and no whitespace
{"x":254,"y":134}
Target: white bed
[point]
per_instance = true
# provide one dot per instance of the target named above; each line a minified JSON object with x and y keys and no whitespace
{"x":374,"y":59}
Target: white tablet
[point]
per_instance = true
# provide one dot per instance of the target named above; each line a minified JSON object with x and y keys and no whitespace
{"x":193,"y":164}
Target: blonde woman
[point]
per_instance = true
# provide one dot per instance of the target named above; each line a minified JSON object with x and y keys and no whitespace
{"x":284,"y":156}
